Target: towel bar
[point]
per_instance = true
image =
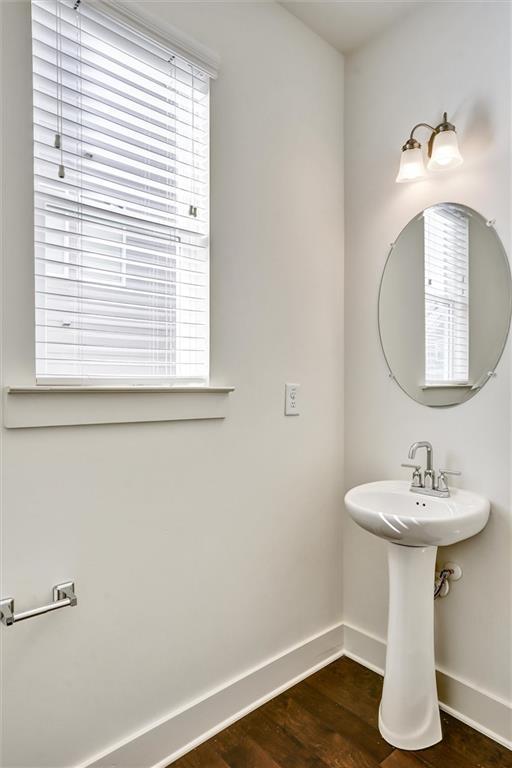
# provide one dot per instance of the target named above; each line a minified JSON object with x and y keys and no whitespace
{"x":63,"y":596}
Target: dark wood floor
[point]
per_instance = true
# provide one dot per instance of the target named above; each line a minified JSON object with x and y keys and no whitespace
{"x":330,"y":720}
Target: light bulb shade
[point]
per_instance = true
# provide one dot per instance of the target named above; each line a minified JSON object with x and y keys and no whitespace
{"x":445,"y":152}
{"x":412,"y":167}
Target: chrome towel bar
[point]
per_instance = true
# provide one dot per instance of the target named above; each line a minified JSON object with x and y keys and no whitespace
{"x":63,"y":596}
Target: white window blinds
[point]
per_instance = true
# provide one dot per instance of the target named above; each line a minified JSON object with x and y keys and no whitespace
{"x":121,"y":174}
{"x":446,"y":234}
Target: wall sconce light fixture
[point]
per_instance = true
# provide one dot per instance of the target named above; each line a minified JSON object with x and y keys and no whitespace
{"x":443,"y":152}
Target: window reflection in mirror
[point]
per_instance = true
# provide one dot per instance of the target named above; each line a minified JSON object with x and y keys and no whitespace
{"x":446,"y":243}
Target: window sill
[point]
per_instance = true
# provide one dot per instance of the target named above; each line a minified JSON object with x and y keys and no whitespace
{"x":448,"y":385}
{"x":58,"y":406}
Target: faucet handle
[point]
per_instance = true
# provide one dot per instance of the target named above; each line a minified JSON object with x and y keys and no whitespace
{"x":442,"y":485}
{"x":416,"y":475}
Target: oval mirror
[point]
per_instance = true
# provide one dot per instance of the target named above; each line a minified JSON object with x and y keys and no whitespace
{"x":444,"y":305}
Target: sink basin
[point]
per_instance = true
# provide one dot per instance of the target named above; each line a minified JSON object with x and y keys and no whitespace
{"x":413,"y":525}
{"x":391,"y":511}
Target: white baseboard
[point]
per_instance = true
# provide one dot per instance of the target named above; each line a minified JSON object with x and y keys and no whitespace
{"x":177,"y":733}
{"x":477,"y":708}
{"x":180,"y":731}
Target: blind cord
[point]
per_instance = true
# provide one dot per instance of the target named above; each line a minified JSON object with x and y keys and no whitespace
{"x":58,"y":65}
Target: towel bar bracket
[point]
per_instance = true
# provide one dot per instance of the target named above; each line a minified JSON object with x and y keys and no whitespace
{"x":63,"y":596}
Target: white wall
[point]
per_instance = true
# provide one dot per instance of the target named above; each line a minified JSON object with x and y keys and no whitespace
{"x":454,"y":57}
{"x":199,"y":549}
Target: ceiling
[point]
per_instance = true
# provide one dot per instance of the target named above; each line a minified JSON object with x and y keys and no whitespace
{"x":348,"y":24}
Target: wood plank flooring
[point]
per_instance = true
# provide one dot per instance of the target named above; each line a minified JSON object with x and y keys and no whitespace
{"x":330,"y":721}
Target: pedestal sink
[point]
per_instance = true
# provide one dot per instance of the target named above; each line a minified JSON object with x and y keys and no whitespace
{"x":414,"y":525}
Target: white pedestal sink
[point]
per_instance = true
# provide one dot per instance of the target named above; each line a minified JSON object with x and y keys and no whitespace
{"x":414,"y":525}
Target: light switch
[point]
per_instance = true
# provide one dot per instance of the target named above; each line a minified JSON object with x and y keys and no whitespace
{"x":291,"y":403}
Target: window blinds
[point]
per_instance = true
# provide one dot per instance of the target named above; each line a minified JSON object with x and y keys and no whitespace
{"x":446,"y":237}
{"x":121,"y":175}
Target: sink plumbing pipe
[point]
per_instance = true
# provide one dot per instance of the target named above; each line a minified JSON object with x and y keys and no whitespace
{"x":441,"y":581}
{"x":450,"y":571}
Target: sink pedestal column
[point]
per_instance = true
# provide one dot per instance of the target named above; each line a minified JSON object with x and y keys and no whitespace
{"x":409,"y":710}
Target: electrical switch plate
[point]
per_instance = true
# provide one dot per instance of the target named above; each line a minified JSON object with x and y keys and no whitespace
{"x":291,"y":403}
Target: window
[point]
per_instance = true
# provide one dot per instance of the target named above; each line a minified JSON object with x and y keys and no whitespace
{"x":446,"y":233}
{"x":121,"y":179}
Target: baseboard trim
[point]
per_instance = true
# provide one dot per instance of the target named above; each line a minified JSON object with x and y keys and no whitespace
{"x":167,"y":739}
{"x":164,"y":741}
{"x":474,"y":706}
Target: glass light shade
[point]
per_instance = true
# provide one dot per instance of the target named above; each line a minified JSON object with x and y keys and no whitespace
{"x":412,"y":166}
{"x":445,"y":152}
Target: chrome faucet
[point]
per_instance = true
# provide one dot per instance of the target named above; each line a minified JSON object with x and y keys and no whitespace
{"x":422,"y":444}
{"x":427,"y":483}
{"x":429,"y":476}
